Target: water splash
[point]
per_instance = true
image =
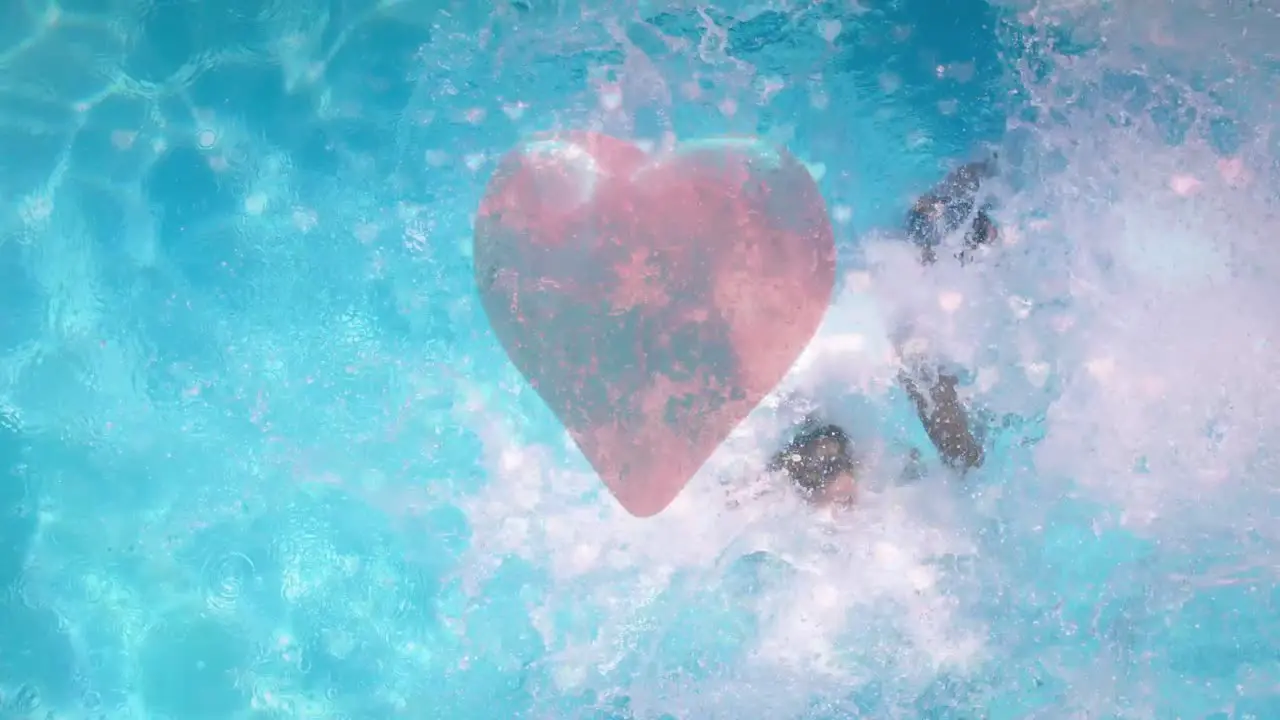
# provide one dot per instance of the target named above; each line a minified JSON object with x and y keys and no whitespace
{"x":275,"y":345}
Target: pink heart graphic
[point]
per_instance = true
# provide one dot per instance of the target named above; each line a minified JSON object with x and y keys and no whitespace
{"x":652,"y":301}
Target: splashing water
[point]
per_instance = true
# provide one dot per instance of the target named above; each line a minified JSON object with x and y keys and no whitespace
{"x":263,"y":457}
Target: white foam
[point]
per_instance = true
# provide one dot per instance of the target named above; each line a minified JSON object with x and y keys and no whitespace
{"x":852,"y":565}
{"x":1130,"y":303}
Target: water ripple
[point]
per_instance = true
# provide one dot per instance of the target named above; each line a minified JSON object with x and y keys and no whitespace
{"x":225,"y":577}
{"x":25,"y":701}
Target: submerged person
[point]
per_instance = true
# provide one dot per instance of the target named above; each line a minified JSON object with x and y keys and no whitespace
{"x":821,"y":465}
{"x":820,"y":460}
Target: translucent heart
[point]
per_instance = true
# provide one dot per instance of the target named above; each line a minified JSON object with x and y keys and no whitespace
{"x":652,"y":300}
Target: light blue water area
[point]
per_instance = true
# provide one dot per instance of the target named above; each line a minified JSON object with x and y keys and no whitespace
{"x":236,"y":301}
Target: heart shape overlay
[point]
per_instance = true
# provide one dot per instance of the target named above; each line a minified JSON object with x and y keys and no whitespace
{"x":652,"y":301}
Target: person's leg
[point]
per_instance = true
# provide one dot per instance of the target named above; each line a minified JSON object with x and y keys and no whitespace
{"x":932,"y":389}
{"x":945,"y":418}
{"x":948,"y":207}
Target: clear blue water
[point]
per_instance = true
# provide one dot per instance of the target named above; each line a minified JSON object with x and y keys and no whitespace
{"x":245,"y":475}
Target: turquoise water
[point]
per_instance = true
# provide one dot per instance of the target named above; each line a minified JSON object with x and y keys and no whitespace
{"x":263,"y":459}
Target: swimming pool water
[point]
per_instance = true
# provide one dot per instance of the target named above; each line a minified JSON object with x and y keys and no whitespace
{"x":262,"y":458}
